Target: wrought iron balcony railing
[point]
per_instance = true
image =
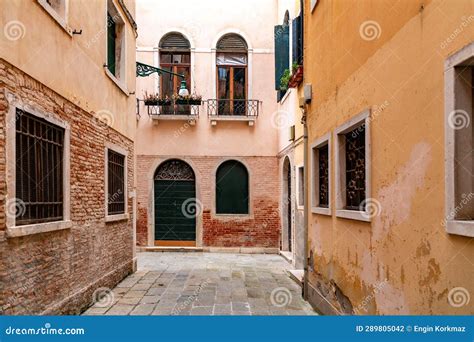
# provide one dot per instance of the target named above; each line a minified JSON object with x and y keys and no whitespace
{"x":226,"y":107}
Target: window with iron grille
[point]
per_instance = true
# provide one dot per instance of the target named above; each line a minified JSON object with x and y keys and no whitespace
{"x":355,"y":168}
{"x":323,"y":174}
{"x":39,"y":170}
{"x":115,"y":183}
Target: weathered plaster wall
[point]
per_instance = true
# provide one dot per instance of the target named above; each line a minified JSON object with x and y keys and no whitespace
{"x":72,"y":65}
{"x":403,"y":262}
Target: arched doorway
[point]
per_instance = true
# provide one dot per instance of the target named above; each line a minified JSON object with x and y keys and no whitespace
{"x":287,"y":207}
{"x":176,"y":206}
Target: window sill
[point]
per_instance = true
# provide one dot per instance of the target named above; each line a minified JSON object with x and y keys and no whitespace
{"x":250,"y":119}
{"x":60,"y":20}
{"x":300,"y":207}
{"x":244,"y":216}
{"x":39,"y":228}
{"x":287,"y":94}
{"x":321,"y":211}
{"x":118,"y":217}
{"x":463,"y":228}
{"x":353,"y":215}
{"x":117,"y":82}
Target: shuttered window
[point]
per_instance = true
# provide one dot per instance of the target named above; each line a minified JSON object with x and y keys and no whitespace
{"x":115,"y":183}
{"x":39,"y":170}
{"x":297,"y":40}
{"x":282,"y":52}
{"x":111,"y":37}
{"x":232,"y":188}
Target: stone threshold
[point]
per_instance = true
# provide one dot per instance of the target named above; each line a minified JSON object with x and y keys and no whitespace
{"x":239,"y":250}
{"x":297,"y":276}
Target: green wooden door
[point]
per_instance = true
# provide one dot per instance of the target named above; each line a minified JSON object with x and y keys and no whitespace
{"x":175,"y":202}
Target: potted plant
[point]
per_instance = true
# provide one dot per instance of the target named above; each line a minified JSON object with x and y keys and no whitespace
{"x":193,"y":99}
{"x":284,"y":80}
{"x":297,"y":75}
{"x":156,"y":100}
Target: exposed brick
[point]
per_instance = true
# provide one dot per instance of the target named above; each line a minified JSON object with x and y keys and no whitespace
{"x":57,"y":272}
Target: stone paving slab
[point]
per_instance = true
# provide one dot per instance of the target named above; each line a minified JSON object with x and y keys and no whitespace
{"x":206,"y":284}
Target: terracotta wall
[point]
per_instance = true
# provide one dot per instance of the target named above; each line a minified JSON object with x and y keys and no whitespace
{"x":404,"y":261}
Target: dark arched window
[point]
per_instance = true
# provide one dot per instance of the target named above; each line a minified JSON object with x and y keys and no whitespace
{"x":232,"y":188}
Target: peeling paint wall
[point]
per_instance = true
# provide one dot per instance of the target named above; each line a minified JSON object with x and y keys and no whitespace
{"x":404,"y":261}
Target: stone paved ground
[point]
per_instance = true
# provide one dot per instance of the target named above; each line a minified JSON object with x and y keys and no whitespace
{"x":205,"y":284}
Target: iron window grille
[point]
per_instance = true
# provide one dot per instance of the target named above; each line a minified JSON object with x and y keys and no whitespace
{"x":355,"y":169}
{"x":115,"y":183}
{"x":323,"y":191}
{"x":39,"y":170}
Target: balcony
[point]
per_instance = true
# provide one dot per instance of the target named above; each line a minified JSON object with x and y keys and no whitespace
{"x":174,"y":110}
{"x":233,"y":110}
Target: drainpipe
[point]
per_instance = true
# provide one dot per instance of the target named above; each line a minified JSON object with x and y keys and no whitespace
{"x":306,"y":199}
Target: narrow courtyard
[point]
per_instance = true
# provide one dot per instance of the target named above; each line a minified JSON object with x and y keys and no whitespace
{"x":174,"y":283}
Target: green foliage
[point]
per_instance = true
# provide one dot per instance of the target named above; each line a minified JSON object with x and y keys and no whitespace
{"x":285,"y":79}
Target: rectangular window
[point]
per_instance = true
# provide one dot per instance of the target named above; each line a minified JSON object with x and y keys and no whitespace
{"x":39,"y":170}
{"x":459,"y":125}
{"x":232,"y":83}
{"x":320,"y":178}
{"x":115,"y":183}
{"x":355,"y":169}
{"x":301,"y":187}
{"x":323,"y":176}
{"x":115,"y":42}
{"x":352,"y":168}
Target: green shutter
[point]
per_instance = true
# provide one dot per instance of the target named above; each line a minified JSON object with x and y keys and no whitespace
{"x":111,"y":44}
{"x":297,"y":40}
{"x":232,"y":189}
{"x":282,"y":55}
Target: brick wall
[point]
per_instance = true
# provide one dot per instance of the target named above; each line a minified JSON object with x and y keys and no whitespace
{"x":57,"y":272}
{"x":259,"y":229}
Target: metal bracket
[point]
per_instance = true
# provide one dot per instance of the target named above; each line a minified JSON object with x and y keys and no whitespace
{"x":144,"y":70}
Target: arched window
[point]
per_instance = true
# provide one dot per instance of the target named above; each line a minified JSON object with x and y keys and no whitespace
{"x":175,"y":56}
{"x":232,"y":74}
{"x":232,"y":188}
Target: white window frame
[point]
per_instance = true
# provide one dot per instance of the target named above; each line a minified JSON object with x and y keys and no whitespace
{"x":60,"y":19}
{"x":300,"y":187}
{"x":318,"y":143}
{"x":14,"y":103}
{"x":121,"y":80}
{"x":339,"y":139}
{"x":453,"y":226}
{"x":125,"y":215}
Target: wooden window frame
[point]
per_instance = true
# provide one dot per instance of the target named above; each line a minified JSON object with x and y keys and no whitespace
{"x":231,"y":82}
